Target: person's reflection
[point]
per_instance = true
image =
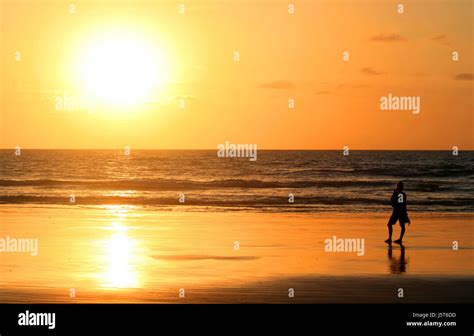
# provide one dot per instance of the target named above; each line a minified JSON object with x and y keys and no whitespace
{"x":397,"y":265}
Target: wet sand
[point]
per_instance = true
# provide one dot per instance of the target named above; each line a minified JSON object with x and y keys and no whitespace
{"x":126,"y":254}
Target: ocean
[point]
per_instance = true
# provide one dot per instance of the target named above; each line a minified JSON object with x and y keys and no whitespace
{"x":320,"y":181}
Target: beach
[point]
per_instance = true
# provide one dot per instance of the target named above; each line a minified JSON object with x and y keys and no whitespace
{"x":129,"y":254}
{"x":307,"y":164}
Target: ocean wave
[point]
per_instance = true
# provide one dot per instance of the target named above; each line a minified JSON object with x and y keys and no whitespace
{"x":179,"y":184}
{"x":440,"y":171}
{"x":219,"y":200}
{"x":151,"y":185}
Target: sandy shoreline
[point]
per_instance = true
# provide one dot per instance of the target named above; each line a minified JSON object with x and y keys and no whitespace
{"x":324,"y":289}
{"x":126,"y":254}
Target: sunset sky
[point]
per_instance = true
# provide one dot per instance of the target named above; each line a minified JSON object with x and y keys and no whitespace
{"x":142,"y":60}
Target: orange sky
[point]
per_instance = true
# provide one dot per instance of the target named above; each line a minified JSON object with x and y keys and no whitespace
{"x":282,"y":56}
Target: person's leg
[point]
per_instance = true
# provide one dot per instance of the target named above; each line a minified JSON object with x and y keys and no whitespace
{"x":390,"y":231}
{"x":402,"y":233}
{"x":393,"y":219}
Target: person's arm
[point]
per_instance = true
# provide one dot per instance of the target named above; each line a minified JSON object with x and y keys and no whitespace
{"x":394,"y":200}
{"x":406,"y":209}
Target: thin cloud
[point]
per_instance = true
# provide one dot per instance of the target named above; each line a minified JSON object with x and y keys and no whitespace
{"x":352,"y":86}
{"x":278,"y":85}
{"x":169,"y":100}
{"x":464,"y":76}
{"x":420,"y":74}
{"x":441,"y":39}
{"x":371,"y":72}
{"x":388,"y":38}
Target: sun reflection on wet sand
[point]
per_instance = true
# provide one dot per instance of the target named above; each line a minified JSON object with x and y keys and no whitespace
{"x":125,"y":254}
{"x":121,"y":256}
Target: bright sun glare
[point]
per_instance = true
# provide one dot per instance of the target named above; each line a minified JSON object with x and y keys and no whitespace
{"x":121,"y":70}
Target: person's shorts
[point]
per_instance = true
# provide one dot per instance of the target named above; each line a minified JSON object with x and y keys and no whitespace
{"x":403,"y":218}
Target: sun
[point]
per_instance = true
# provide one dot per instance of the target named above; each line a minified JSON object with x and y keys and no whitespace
{"x":122,"y":69}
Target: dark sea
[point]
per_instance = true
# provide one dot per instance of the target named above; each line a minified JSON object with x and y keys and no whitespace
{"x":320,"y":181}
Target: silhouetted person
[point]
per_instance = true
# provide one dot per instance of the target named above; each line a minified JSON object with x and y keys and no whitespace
{"x":397,"y":266}
{"x":399,"y":205}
